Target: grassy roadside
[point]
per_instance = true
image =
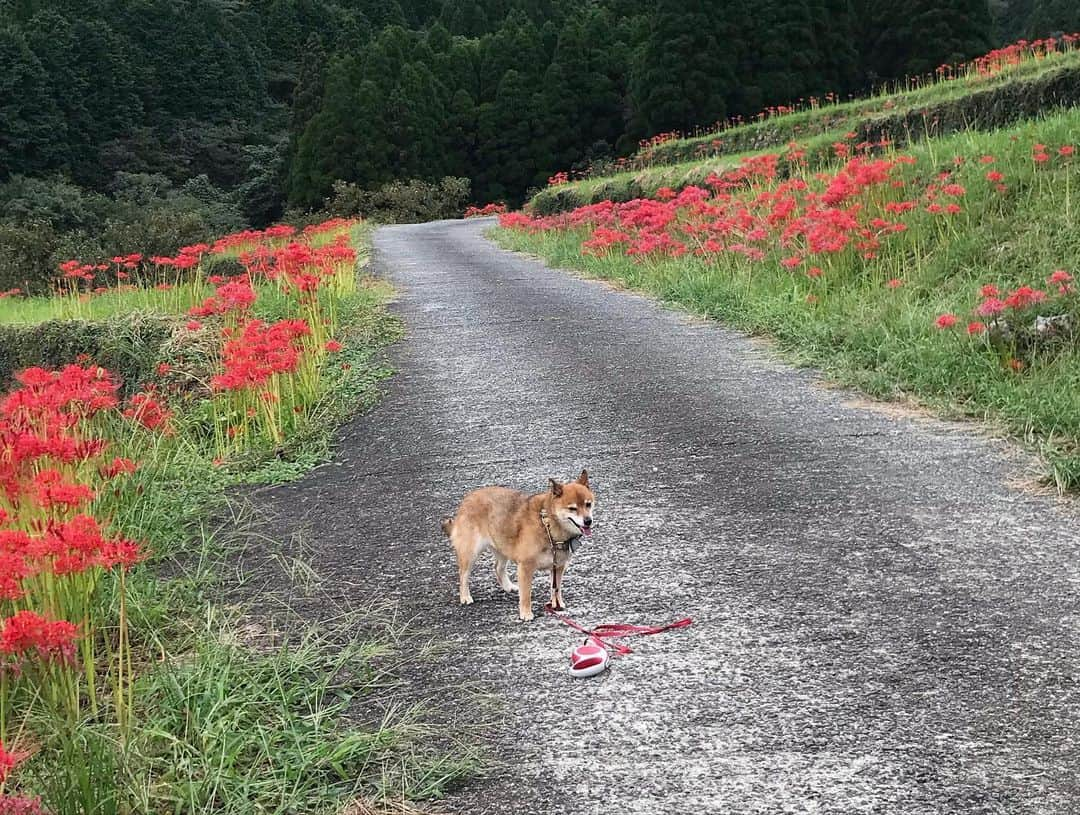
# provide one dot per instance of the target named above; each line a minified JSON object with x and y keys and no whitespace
{"x":915,"y":299}
{"x":191,"y":706}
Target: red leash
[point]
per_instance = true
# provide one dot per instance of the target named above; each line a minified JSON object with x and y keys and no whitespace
{"x":602,"y":633}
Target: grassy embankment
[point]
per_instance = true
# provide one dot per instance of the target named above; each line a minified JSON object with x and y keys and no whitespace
{"x":970,"y":98}
{"x":138,"y":688}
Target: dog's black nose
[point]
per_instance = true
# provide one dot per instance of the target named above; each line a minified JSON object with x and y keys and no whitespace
{"x":587,"y":522}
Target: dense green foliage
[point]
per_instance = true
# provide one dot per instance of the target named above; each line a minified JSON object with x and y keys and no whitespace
{"x":401,"y":202}
{"x":243,"y":107}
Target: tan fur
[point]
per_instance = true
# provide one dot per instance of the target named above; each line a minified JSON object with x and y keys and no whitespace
{"x":508,"y":522}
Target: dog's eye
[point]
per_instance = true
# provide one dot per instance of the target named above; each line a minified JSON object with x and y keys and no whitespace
{"x":572,"y":508}
{"x":588,"y":504}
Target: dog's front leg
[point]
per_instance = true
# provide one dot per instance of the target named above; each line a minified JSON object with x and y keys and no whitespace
{"x":557,"y":573}
{"x":525,"y":572}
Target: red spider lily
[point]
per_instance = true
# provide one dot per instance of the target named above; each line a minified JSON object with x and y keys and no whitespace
{"x":976,"y":327}
{"x":333,"y":346}
{"x":338,"y":225}
{"x":20,"y":805}
{"x":258,"y":351}
{"x":49,"y":489}
{"x":9,"y":760}
{"x":894,"y":283}
{"x":237,"y":295}
{"x":27,"y":632}
{"x":989,"y":307}
{"x":14,"y":569}
{"x":1066,"y":151}
{"x":60,"y":397}
{"x":995,"y":176}
{"x":146,"y":409}
{"x":945,"y":321}
{"x":487,"y":209}
{"x":117,"y":467}
{"x":74,"y":270}
{"x":1023,"y":297}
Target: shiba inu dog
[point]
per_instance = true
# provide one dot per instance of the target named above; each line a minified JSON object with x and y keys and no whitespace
{"x":537,"y":532}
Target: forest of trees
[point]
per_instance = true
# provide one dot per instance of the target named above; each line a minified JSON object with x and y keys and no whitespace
{"x":246,"y":107}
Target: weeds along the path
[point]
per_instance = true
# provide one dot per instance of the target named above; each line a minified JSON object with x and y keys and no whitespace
{"x":125,"y":685}
{"x":946,"y":272}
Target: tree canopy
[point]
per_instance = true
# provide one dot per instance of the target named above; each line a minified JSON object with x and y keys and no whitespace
{"x":275,"y":100}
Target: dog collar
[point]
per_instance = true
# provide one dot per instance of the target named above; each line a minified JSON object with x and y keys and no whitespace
{"x":566,"y":545}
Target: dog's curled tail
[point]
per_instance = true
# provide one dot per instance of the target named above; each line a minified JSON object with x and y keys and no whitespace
{"x":447,"y":525}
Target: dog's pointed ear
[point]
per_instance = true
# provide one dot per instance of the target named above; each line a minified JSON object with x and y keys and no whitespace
{"x":583,"y":479}
{"x":556,"y":487}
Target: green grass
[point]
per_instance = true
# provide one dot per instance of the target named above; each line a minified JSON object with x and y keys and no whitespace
{"x":28,"y":310}
{"x":884,"y":340}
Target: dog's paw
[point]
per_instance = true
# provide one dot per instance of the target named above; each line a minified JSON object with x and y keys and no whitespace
{"x":466,"y":601}
{"x":510,"y":588}
{"x":525,"y":616}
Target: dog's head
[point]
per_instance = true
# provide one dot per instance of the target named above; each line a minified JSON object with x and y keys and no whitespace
{"x":573,"y":504}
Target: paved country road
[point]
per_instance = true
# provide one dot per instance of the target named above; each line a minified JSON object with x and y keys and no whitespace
{"x":882,"y":624}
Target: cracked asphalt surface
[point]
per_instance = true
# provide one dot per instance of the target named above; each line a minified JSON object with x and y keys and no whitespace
{"x":882,"y":624}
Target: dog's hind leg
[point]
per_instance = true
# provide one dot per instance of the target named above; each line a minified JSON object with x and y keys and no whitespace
{"x":500,"y":574}
{"x":467,"y":546}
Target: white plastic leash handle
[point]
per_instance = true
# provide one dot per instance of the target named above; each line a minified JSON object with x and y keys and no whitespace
{"x":588,"y":660}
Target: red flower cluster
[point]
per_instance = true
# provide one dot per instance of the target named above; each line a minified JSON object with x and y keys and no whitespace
{"x":187,"y":258}
{"x":146,"y":409}
{"x":9,"y":760}
{"x":235,"y":295}
{"x":252,"y":237}
{"x":53,"y":551}
{"x":1012,"y":55}
{"x":26,"y":633}
{"x":300,"y":267}
{"x":746,"y":212}
{"x":20,"y":805}
{"x":992,"y":303}
{"x":330,"y":226}
{"x":258,"y":351}
{"x":487,"y":209}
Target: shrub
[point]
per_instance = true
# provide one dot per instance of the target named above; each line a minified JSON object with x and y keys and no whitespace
{"x":401,"y":202}
{"x":128,"y":346}
{"x":44,"y":222}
